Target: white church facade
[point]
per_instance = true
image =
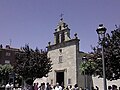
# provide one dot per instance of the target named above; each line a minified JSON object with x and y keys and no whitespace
{"x":66,"y":59}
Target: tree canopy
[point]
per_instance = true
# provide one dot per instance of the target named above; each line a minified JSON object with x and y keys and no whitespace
{"x":32,"y":63}
{"x":111,"y":55}
{"x":88,"y":67}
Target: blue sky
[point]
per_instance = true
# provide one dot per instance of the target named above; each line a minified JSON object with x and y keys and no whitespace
{"x":34,"y":21}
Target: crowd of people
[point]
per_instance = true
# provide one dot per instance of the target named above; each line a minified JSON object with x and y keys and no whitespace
{"x":47,"y":86}
{"x":55,"y":87}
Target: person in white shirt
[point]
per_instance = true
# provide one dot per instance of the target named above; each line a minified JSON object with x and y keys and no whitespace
{"x":58,"y":87}
{"x":7,"y":86}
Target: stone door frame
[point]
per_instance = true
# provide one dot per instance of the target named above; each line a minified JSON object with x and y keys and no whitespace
{"x":65,"y":76}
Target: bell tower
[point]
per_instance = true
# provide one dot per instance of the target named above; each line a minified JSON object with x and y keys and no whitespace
{"x":62,"y":32}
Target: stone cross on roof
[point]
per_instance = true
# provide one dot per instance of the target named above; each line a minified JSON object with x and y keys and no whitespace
{"x":61,"y":15}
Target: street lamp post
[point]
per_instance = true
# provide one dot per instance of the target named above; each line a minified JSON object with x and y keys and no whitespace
{"x":85,"y":76}
{"x":101,"y":30}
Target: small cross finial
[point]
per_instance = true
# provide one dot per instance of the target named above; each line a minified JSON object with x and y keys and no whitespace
{"x":61,"y":16}
{"x":116,"y":26}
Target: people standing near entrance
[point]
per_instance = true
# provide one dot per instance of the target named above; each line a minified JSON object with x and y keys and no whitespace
{"x":58,"y":87}
{"x":48,"y":86}
{"x":76,"y":87}
{"x":69,"y":87}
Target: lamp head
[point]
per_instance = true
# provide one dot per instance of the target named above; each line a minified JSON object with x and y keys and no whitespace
{"x":101,"y":29}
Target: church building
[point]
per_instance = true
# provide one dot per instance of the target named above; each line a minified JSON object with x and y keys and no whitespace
{"x":65,"y":56}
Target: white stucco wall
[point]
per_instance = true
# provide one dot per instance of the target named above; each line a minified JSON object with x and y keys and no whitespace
{"x":99,"y":82}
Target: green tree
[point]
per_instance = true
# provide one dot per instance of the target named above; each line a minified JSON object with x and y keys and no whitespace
{"x":111,"y":55}
{"x":5,"y":70}
{"x":32,"y":63}
{"x":88,"y":67}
